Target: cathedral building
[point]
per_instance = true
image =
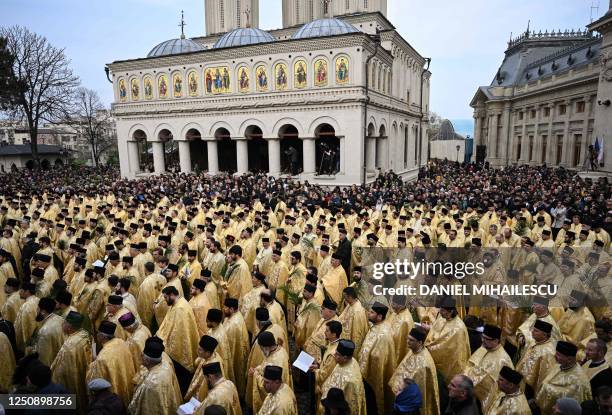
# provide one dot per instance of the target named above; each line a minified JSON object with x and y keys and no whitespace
{"x":333,"y":97}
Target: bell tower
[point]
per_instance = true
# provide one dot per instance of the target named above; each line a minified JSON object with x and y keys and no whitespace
{"x":224,"y":15}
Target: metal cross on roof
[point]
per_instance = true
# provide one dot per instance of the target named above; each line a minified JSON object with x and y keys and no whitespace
{"x":182,"y":24}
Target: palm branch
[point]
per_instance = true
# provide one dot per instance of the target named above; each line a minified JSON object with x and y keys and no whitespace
{"x":292,"y":297}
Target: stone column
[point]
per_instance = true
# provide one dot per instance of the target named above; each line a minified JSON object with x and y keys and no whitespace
{"x":536,"y":156}
{"x":551,"y":142}
{"x":242,"y":155}
{"x":274,"y":156}
{"x":506,"y":135}
{"x":477,"y":132}
{"x":493,"y":137}
{"x":524,"y":140}
{"x":384,"y":157}
{"x":566,"y":160}
{"x":159,"y":163}
{"x":213,"y":156}
{"x":185,"y":156}
{"x":308,"y":148}
{"x":133,"y":158}
{"x":586,"y":141}
{"x":342,"y":154}
{"x":371,"y":153}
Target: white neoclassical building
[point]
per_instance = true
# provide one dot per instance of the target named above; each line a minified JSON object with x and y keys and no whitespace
{"x":332,"y":97}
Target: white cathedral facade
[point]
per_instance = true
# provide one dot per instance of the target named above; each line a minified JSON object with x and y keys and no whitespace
{"x":333,"y":97}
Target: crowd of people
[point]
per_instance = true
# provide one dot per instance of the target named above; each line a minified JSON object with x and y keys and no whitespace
{"x":139,"y":296}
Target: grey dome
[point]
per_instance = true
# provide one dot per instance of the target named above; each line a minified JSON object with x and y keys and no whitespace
{"x":324,"y":27}
{"x":243,"y":36}
{"x":447,"y":132}
{"x":174,"y":46}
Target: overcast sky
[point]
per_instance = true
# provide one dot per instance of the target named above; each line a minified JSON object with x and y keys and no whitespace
{"x":465,"y":39}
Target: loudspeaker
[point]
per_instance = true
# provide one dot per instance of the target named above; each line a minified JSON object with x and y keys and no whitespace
{"x":481,"y":153}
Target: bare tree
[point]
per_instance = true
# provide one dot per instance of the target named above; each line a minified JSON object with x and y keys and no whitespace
{"x":92,"y":121}
{"x":48,"y":82}
{"x":435,"y":121}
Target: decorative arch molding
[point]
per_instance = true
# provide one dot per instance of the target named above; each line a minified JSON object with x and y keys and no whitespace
{"x":251,"y":121}
{"x":190,"y":126}
{"x":163,"y":126}
{"x":323,"y":120}
{"x":284,"y":121}
{"x":221,"y":124}
{"x":372,"y":121}
{"x":137,"y":127}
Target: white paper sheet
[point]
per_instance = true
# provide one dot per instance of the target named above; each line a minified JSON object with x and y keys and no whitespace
{"x":189,"y":407}
{"x":303,"y":362}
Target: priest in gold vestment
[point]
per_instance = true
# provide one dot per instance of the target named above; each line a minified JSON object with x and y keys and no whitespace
{"x":158,"y":393}
{"x":346,"y":376}
{"x":354,"y":318}
{"x":238,"y":342}
{"x":110,"y":363}
{"x":222,"y":391}
{"x":8,"y":363}
{"x":315,"y":344}
{"x":419,"y":366}
{"x":137,"y":334}
{"x":280,"y":399}
{"x":509,"y":399}
{"x":308,"y":316}
{"x":448,"y":342}
{"x":71,"y":362}
{"x":49,"y":337}
{"x":538,"y":359}
{"x":334,"y":281}
{"x":567,"y":380}
{"x":484,"y":365}
{"x":377,"y":357}
{"x":200,"y":304}
{"x":274,"y":355}
{"x":207,"y":354}
{"x":25,"y":322}
{"x":179,"y":333}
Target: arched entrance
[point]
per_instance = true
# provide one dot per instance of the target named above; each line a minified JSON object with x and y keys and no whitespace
{"x":226,"y":151}
{"x":198,"y":150}
{"x":171,"y":155}
{"x":327,"y":150}
{"x":30,"y":164}
{"x":145,"y":151}
{"x":292,"y":153}
{"x":45,"y":164}
{"x":59,"y":162}
{"x":258,"y":150}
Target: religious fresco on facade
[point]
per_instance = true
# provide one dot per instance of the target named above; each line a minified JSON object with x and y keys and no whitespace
{"x":244,"y":80}
{"x":280,"y":76}
{"x":162,"y":86}
{"x":342,"y":70}
{"x":321,"y":71}
{"x":192,"y":80}
{"x":135,"y":87}
{"x":217,"y":80}
{"x":122,"y":90}
{"x":148,"y":87}
{"x":177,"y":85}
{"x":262,"y":78}
{"x":299,"y":74}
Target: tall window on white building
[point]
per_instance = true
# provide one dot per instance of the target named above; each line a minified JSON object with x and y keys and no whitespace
{"x":365,"y":4}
